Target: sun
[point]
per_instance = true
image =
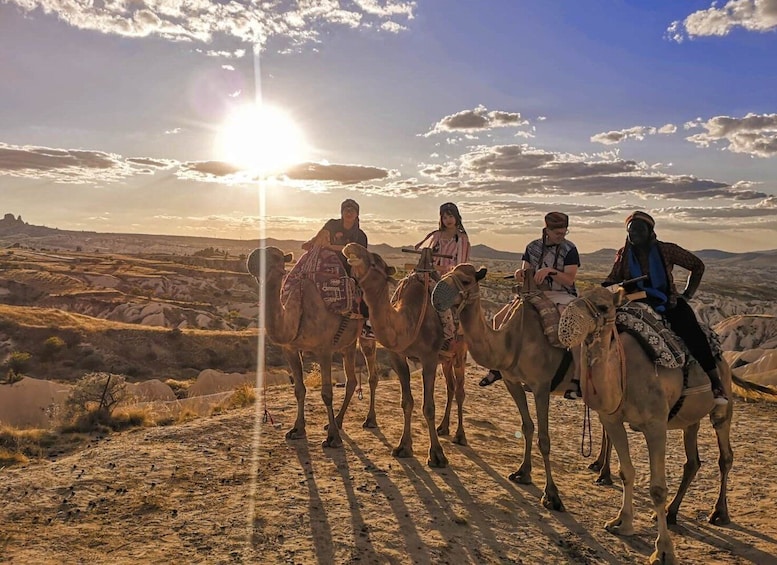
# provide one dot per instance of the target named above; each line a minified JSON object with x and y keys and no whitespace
{"x":261,"y":138}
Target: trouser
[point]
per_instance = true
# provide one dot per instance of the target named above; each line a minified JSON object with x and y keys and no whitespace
{"x":682,"y":320}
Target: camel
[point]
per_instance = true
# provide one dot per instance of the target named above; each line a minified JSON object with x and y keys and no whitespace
{"x":623,"y":384}
{"x":411,"y":329}
{"x":305,"y":323}
{"x":523,"y":354}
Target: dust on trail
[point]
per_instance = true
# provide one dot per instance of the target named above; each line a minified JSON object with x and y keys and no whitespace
{"x":183,"y":494}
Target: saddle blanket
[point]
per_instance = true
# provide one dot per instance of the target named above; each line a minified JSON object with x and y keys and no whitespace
{"x":338,"y":291}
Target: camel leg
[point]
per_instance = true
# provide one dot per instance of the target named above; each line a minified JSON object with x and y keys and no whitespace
{"x":458,"y":373}
{"x":436,"y":455}
{"x":349,"y":366}
{"x":602,"y":463}
{"x":523,"y":474}
{"x":623,"y":523}
{"x":369,"y":348}
{"x":399,"y":364}
{"x":333,"y":438}
{"x":691,"y":467}
{"x":722,"y":425}
{"x":444,"y":428}
{"x":294,"y":359}
{"x":550,"y":499}
{"x":655,"y":435}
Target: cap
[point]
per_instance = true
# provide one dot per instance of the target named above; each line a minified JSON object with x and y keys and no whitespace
{"x":556,"y":220}
{"x":349,"y":203}
{"x":639,"y":215}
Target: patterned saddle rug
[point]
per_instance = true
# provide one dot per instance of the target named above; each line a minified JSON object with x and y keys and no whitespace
{"x":338,"y":291}
{"x":661,"y":344}
{"x":450,"y":323}
{"x":548,"y":311}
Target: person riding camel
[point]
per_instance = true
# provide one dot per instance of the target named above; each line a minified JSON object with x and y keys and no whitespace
{"x":644,"y":254}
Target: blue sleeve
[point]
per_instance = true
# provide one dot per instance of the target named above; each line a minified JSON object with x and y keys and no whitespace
{"x":572,"y":258}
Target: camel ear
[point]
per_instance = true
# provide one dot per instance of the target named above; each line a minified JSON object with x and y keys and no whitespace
{"x":288,"y":257}
{"x":391,"y":271}
{"x":481,"y":274}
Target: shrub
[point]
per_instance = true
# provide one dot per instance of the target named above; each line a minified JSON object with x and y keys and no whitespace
{"x":18,"y":361}
{"x":51,"y":347}
{"x":93,"y":399}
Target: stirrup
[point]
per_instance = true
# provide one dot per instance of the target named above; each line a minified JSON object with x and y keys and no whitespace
{"x":720,"y":397}
{"x":490,"y":378}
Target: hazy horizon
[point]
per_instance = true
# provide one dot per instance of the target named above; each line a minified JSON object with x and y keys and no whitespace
{"x":145,"y":118}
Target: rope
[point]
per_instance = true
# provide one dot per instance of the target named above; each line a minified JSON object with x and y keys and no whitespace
{"x":586,"y":426}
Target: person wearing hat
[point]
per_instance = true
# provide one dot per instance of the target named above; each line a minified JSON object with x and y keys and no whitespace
{"x":449,"y":239}
{"x":555,"y":261}
{"x":644,"y":254}
{"x":338,"y":232}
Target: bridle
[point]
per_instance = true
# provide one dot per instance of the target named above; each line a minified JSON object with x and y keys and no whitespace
{"x":468,"y":296}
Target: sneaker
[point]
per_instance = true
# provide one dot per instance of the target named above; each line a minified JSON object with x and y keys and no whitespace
{"x":491,"y":377}
{"x":367,"y":332}
{"x":575,"y":393}
{"x":720,"y":396}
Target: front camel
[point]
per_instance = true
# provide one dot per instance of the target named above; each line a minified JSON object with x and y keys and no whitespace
{"x":623,"y":385}
{"x":305,"y":323}
{"x":409,"y":327}
{"x":522,"y":352}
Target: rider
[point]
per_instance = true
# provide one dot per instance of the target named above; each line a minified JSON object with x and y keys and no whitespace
{"x":555,"y":261}
{"x":336,"y":234}
{"x":449,"y":239}
{"x":644,"y":254}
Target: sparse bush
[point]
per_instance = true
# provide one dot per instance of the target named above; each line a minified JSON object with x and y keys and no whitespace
{"x":180,"y":388}
{"x":93,"y":399}
{"x":174,"y":333}
{"x":12,"y":377}
{"x":18,"y":361}
{"x":244,"y":395}
{"x":51,"y":347}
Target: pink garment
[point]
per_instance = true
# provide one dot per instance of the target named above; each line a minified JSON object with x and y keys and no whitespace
{"x":459,"y":250}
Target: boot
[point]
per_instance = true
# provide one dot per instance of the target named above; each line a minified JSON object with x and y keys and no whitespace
{"x":717,"y":387}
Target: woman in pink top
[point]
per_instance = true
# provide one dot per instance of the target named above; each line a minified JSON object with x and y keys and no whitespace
{"x":450,"y":239}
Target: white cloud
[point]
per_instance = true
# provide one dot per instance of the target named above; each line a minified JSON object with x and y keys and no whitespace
{"x":751,"y":15}
{"x":637,"y":132}
{"x":201,"y":20}
{"x":755,"y":134}
{"x":478,"y":119}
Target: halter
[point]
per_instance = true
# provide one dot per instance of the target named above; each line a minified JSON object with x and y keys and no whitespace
{"x":467,"y":296}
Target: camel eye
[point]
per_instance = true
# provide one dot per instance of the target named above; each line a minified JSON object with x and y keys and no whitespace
{"x":603,"y":308}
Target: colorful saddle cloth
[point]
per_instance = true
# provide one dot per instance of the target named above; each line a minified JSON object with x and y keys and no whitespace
{"x":338,"y":291}
{"x":662,"y":345}
{"x":548,"y":311}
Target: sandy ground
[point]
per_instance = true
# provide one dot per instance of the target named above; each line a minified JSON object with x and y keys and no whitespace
{"x":231,"y":489}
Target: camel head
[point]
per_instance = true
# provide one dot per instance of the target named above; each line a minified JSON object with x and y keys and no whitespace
{"x":362,"y":262}
{"x":457,"y":286}
{"x":274,"y":261}
{"x":588,"y":314}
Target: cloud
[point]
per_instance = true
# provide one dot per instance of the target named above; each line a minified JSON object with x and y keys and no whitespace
{"x":636,"y":132}
{"x":345,"y":174}
{"x":479,"y":119}
{"x":751,"y":15}
{"x":755,"y":134}
{"x":256,"y":23}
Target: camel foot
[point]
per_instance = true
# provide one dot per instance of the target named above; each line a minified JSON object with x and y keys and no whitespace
{"x":603,"y":480}
{"x":370,"y":422}
{"x":443,"y":430}
{"x":521,"y":477}
{"x":460,"y":438}
{"x":437,"y":459}
{"x":553,"y":502}
{"x":295,"y":433}
{"x":334,"y":442}
{"x":402,"y":452}
{"x":619,"y":528}
{"x":662,"y":558}
{"x":720,"y":517}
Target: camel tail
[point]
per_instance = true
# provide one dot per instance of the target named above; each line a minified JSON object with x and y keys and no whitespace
{"x":753,"y":391}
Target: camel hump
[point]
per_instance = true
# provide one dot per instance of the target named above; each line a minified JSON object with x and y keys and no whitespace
{"x":325,"y":269}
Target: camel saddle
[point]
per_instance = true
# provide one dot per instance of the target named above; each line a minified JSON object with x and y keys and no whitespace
{"x":324,"y":268}
{"x":663,"y":346}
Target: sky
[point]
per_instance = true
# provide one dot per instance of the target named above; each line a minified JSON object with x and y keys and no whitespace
{"x":243,"y":119}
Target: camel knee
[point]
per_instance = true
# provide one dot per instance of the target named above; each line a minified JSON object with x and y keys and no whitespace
{"x":544,"y":444}
{"x":658,"y":495}
{"x":326,"y":396}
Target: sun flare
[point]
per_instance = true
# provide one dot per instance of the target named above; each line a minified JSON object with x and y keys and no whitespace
{"x":261,"y":138}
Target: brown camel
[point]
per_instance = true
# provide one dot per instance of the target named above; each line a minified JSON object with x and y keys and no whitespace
{"x":305,"y":323}
{"x":623,"y":384}
{"x":411,"y":329}
{"x":523,"y":354}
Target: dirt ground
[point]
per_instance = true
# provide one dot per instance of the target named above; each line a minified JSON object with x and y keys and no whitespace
{"x":232,"y":489}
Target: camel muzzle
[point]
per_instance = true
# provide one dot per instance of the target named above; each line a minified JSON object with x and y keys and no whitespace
{"x":443,"y":296}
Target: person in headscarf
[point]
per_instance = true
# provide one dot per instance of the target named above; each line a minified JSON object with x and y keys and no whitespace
{"x":555,"y":261}
{"x":644,"y":254}
{"x":449,"y":239}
